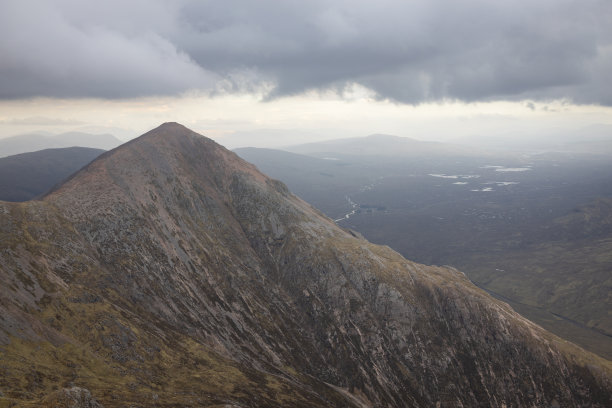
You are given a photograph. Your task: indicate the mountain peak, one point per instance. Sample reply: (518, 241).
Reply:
(171, 130)
(169, 152)
(173, 126)
(167, 133)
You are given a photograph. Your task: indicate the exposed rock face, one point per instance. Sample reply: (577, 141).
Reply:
(169, 272)
(74, 397)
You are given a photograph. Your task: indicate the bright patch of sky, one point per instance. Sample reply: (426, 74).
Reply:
(245, 120)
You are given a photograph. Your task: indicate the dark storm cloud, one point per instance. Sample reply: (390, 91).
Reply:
(407, 51)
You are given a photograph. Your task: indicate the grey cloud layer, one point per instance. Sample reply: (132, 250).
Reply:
(407, 51)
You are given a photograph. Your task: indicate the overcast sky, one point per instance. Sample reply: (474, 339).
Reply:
(190, 60)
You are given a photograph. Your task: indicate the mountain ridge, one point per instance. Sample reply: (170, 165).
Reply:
(169, 271)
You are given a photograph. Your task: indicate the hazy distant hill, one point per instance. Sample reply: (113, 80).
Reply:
(27, 175)
(32, 142)
(383, 145)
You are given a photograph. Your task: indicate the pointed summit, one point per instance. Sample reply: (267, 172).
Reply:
(154, 164)
(158, 146)
(169, 134)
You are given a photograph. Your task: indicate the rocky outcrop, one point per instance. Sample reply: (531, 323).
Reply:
(169, 272)
(74, 397)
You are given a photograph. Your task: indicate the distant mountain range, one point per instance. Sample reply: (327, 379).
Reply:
(28, 175)
(32, 142)
(169, 272)
(383, 145)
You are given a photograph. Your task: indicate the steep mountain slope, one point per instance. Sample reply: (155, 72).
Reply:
(28, 175)
(169, 272)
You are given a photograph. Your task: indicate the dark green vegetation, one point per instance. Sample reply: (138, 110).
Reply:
(28, 175)
(171, 273)
(540, 239)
